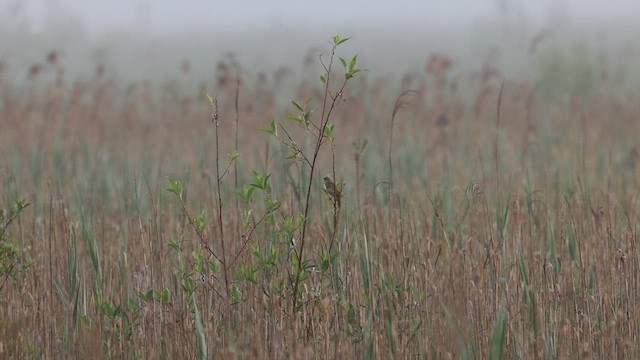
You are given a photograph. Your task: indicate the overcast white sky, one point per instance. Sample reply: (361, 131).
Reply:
(207, 15)
(392, 35)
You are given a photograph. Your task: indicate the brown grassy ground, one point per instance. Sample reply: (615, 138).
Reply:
(544, 231)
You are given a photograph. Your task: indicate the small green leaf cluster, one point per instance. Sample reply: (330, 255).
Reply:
(350, 69)
(304, 114)
(176, 187)
(12, 263)
(123, 321)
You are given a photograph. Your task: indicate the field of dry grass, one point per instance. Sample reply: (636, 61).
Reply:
(484, 218)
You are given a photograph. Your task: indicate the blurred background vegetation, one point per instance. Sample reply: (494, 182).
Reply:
(511, 226)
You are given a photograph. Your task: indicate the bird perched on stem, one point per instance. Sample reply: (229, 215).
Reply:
(334, 192)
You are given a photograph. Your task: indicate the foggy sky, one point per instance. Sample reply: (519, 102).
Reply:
(150, 39)
(207, 15)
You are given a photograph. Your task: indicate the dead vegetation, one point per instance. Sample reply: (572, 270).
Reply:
(532, 257)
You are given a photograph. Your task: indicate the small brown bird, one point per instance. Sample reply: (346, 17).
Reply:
(332, 190)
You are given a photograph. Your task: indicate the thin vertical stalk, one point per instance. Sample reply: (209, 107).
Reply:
(214, 118)
(400, 102)
(497, 161)
(327, 109)
(235, 163)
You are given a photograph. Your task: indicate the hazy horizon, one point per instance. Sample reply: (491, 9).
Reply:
(202, 15)
(141, 40)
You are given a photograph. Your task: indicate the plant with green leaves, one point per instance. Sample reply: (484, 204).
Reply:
(12, 263)
(281, 265)
(320, 131)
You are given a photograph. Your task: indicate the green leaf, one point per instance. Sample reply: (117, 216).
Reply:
(246, 193)
(247, 222)
(189, 285)
(324, 78)
(304, 115)
(496, 343)
(351, 315)
(202, 343)
(272, 203)
(60, 289)
(200, 222)
(523, 269)
(233, 155)
(271, 129)
(297, 106)
(288, 224)
(146, 296)
(328, 131)
(261, 181)
(573, 247)
(325, 265)
(296, 118)
(344, 63)
(352, 64)
(212, 101)
(592, 278)
(18, 206)
(175, 245)
(164, 297)
(213, 267)
(176, 187)
(236, 296)
(337, 40)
